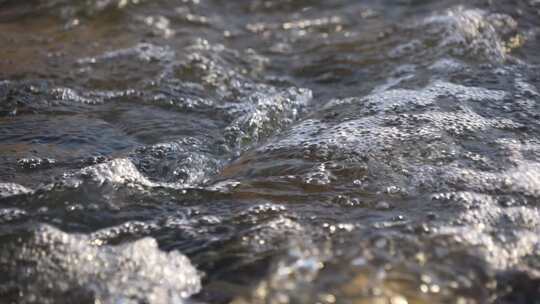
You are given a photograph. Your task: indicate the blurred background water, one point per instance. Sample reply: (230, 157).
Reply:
(269, 151)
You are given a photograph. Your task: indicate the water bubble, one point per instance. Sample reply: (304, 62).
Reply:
(382, 205)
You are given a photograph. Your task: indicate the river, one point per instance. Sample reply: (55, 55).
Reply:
(270, 151)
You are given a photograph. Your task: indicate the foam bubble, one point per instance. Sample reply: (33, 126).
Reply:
(54, 264)
(11, 189)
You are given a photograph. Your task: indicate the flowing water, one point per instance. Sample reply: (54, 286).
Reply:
(270, 151)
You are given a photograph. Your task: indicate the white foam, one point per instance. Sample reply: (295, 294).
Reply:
(12, 189)
(53, 263)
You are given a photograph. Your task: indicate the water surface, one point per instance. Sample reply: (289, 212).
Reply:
(277, 151)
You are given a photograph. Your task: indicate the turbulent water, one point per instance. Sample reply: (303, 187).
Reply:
(270, 151)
